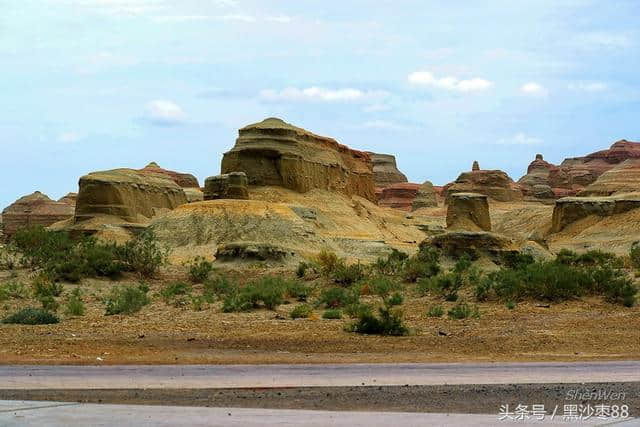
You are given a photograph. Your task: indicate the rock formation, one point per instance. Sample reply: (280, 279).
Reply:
(128, 194)
(493, 183)
(385, 170)
(276, 153)
(623, 178)
(426, 197)
(69, 199)
(226, 186)
(472, 243)
(184, 180)
(475, 166)
(34, 209)
(574, 174)
(468, 211)
(535, 184)
(399, 196)
(571, 209)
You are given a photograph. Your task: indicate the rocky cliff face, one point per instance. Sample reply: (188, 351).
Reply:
(623, 178)
(184, 180)
(426, 197)
(571, 209)
(574, 174)
(494, 183)
(128, 194)
(385, 170)
(34, 209)
(399, 196)
(276, 153)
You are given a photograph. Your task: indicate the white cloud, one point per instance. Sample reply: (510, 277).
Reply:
(163, 112)
(282, 19)
(237, 17)
(315, 93)
(69, 137)
(426, 78)
(588, 86)
(534, 89)
(520, 139)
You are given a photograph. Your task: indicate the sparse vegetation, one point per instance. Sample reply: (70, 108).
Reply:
(267, 291)
(347, 275)
(395, 299)
(388, 322)
(435, 311)
(634, 255)
(75, 305)
(462, 310)
(302, 311)
(144, 254)
(126, 299)
(199, 269)
(338, 297)
(332, 313)
(31, 316)
(12, 289)
(44, 287)
(175, 289)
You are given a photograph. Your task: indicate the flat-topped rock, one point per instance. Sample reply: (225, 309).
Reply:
(128, 194)
(494, 183)
(385, 170)
(36, 209)
(426, 197)
(276, 153)
(232, 185)
(468, 211)
(399, 196)
(571, 209)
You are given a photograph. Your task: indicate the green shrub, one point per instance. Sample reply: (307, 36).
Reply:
(174, 289)
(395, 299)
(428, 254)
(302, 311)
(388, 322)
(49, 303)
(435, 311)
(463, 310)
(416, 268)
(327, 261)
(144, 254)
(198, 301)
(347, 275)
(357, 309)
(516, 260)
(383, 286)
(301, 270)
(43, 286)
(462, 264)
(12, 289)
(634, 255)
(75, 305)
(268, 291)
(126, 300)
(332, 313)
(296, 289)
(39, 246)
(219, 286)
(510, 305)
(446, 285)
(392, 264)
(483, 288)
(31, 316)
(199, 269)
(338, 297)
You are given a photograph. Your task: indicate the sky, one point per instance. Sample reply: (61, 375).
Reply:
(90, 85)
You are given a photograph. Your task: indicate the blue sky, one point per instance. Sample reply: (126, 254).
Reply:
(98, 84)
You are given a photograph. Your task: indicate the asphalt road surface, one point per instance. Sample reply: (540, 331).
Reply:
(257, 376)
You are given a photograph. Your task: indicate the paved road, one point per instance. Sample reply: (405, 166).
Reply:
(19, 413)
(241, 376)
